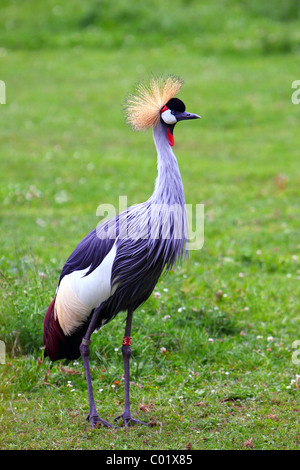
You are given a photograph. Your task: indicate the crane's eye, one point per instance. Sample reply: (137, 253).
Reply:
(168, 117)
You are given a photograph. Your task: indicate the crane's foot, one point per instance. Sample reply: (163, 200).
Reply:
(95, 420)
(128, 419)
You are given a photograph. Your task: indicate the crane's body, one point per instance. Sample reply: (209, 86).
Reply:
(117, 265)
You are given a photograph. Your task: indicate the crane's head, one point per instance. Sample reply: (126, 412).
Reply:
(173, 112)
(154, 103)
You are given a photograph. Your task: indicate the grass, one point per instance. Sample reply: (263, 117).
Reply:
(229, 316)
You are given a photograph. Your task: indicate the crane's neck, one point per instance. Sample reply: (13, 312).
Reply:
(168, 185)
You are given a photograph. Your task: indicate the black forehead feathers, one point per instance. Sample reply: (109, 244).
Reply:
(176, 105)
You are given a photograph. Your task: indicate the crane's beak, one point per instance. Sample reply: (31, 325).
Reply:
(183, 116)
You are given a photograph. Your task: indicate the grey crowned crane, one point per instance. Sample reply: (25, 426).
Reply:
(116, 266)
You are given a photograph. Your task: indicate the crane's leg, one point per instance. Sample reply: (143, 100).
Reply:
(85, 354)
(126, 352)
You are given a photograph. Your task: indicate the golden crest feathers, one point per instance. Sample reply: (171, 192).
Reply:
(143, 108)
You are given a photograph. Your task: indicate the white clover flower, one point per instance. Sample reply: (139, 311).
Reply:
(166, 317)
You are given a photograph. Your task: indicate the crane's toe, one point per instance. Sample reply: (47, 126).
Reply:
(95, 420)
(128, 419)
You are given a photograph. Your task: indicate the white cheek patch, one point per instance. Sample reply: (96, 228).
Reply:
(168, 117)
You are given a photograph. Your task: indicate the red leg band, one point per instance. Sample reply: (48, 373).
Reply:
(126, 341)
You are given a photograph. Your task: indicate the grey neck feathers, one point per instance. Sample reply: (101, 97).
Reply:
(168, 185)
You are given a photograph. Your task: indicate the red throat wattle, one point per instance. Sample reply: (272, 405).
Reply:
(170, 137)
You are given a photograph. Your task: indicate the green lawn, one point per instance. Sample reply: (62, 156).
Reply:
(227, 317)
